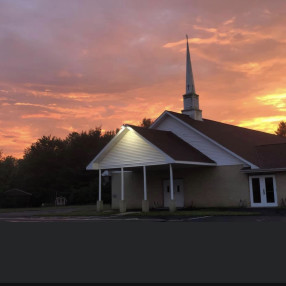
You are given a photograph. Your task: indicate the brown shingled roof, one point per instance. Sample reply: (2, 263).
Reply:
(172, 145)
(242, 141)
(272, 155)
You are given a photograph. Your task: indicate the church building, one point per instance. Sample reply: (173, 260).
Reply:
(184, 160)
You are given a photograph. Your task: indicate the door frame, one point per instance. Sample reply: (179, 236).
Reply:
(263, 203)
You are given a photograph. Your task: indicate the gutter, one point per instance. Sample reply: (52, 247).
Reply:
(255, 171)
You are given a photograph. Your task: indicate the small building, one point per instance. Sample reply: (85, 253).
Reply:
(16, 198)
(60, 201)
(185, 160)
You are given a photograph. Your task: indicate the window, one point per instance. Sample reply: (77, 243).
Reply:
(256, 190)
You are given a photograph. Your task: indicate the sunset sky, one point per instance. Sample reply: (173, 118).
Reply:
(72, 65)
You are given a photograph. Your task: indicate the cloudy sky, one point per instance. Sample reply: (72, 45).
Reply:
(72, 65)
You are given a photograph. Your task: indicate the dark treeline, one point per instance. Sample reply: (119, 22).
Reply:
(57, 167)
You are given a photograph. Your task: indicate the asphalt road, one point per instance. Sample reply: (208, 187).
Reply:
(15, 218)
(266, 215)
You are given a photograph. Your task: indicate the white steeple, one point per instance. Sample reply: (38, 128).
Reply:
(191, 99)
(190, 85)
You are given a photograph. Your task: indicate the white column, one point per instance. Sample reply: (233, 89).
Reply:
(145, 183)
(122, 184)
(171, 183)
(99, 184)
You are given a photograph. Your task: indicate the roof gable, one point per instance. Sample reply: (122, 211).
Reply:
(239, 140)
(128, 151)
(198, 140)
(137, 146)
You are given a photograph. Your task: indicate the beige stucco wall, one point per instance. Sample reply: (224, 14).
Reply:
(133, 188)
(281, 188)
(203, 187)
(223, 186)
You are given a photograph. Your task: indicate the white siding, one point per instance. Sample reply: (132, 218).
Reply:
(130, 151)
(214, 152)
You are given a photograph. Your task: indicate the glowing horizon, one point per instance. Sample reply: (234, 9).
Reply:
(74, 65)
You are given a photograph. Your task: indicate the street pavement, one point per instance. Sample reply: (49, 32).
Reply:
(266, 215)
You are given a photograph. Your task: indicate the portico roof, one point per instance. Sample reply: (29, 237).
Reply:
(172, 145)
(137, 146)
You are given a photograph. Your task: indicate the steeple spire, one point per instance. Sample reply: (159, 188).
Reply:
(190, 85)
(191, 99)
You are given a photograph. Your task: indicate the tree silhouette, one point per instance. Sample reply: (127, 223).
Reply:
(57, 167)
(146, 122)
(281, 130)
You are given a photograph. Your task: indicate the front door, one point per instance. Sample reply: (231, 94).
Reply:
(263, 191)
(178, 193)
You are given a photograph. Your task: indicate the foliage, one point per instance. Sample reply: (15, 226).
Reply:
(281, 130)
(52, 167)
(146, 122)
(57, 167)
(8, 170)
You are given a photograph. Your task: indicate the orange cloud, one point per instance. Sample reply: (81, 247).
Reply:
(276, 100)
(112, 64)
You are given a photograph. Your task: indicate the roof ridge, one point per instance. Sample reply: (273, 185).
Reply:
(240, 127)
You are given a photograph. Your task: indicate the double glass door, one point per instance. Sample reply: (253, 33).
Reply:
(263, 191)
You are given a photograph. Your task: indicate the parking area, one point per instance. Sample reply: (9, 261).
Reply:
(87, 214)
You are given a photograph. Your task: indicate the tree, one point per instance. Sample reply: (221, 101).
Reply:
(8, 172)
(57, 167)
(281, 130)
(146, 122)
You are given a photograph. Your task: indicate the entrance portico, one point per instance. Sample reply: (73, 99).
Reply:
(153, 191)
(147, 150)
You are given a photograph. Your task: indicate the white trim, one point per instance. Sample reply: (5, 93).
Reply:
(135, 165)
(195, 163)
(263, 195)
(161, 164)
(122, 184)
(171, 183)
(119, 172)
(158, 119)
(264, 170)
(211, 140)
(145, 183)
(99, 184)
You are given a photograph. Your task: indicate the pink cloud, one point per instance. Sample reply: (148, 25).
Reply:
(74, 65)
